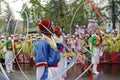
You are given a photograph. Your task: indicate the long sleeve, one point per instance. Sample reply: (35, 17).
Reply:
(45, 54)
(53, 56)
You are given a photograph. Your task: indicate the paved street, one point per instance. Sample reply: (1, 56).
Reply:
(107, 72)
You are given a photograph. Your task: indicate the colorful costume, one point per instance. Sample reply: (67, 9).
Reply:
(45, 54)
(91, 26)
(63, 61)
(95, 41)
(9, 56)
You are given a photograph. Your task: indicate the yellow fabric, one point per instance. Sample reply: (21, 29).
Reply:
(24, 47)
(51, 41)
(1, 50)
(106, 42)
(17, 47)
(119, 45)
(114, 46)
(111, 36)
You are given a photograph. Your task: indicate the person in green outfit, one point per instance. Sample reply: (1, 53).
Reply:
(9, 55)
(95, 41)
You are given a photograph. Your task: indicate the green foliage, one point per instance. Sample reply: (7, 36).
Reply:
(2, 22)
(10, 19)
(61, 13)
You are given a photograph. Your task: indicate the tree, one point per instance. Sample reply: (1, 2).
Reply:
(10, 19)
(113, 9)
(60, 12)
(24, 16)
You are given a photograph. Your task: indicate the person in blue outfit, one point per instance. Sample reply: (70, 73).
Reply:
(46, 53)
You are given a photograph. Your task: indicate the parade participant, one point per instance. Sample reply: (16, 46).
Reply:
(91, 26)
(116, 34)
(9, 55)
(17, 45)
(63, 61)
(114, 46)
(109, 27)
(29, 47)
(77, 29)
(82, 35)
(118, 38)
(24, 45)
(95, 41)
(46, 53)
(77, 46)
(68, 43)
(29, 44)
(106, 43)
(72, 43)
(2, 51)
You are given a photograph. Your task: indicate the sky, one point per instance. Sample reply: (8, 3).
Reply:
(16, 6)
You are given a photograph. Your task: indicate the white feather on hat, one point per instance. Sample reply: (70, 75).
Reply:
(68, 34)
(2, 36)
(87, 35)
(115, 30)
(106, 35)
(16, 34)
(114, 38)
(2, 39)
(9, 38)
(107, 30)
(33, 39)
(76, 33)
(20, 35)
(82, 32)
(102, 32)
(65, 36)
(12, 35)
(76, 26)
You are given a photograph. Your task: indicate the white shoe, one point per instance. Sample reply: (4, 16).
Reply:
(96, 73)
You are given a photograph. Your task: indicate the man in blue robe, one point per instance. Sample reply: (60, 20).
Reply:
(46, 53)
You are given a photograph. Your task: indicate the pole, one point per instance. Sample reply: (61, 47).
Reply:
(113, 14)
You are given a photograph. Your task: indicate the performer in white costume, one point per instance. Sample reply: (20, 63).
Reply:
(95, 41)
(63, 61)
(9, 56)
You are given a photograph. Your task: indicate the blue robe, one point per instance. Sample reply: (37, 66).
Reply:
(45, 56)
